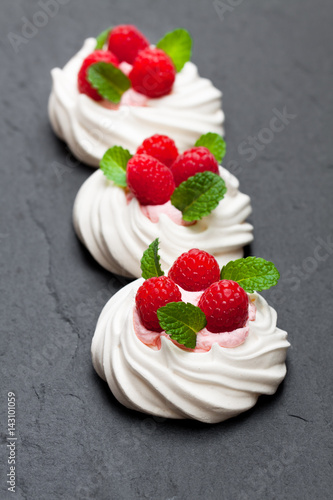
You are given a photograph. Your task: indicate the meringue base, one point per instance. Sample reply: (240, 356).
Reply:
(170, 382)
(117, 232)
(89, 128)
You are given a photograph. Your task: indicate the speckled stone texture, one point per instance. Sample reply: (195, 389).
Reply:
(74, 440)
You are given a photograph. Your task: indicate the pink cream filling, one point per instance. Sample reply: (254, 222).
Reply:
(153, 212)
(129, 98)
(205, 339)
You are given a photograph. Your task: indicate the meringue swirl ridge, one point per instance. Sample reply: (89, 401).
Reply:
(116, 232)
(170, 382)
(89, 128)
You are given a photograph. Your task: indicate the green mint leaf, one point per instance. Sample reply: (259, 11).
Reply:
(252, 273)
(108, 80)
(114, 163)
(150, 262)
(182, 321)
(101, 39)
(215, 143)
(178, 45)
(199, 195)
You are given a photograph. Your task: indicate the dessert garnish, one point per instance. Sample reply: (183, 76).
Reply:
(99, 56)
(107, 80)
(222, 306)
(193, 161)
(124, 59)
(149, 180)
(133, 199)
(153, 73)
(126, 41)
(155, 342)
(156, 174)
(195, 270)
(161, 147)
(153, 294)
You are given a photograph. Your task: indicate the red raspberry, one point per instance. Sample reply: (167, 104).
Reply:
(225, 305)
(126, 41)
(153, 73)
(160, 147)
(195, 270)
(153, 294)
(193, 161)
(150, 181)
(84, 85)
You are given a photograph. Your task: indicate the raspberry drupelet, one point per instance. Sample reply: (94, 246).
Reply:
(153, 294)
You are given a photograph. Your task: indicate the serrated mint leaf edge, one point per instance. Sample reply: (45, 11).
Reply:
(154, 247)
(272, 276)
(112, 92)
(192, 333)
(107, 168)
(191, 218)
(178, 65)
(221, 150)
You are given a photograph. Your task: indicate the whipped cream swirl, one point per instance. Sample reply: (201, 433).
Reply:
(89, 128)
(171, 382)
(116, 231)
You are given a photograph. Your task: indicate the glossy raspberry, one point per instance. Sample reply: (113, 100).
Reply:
(193, 161)
(150, 181)
(225, 305)
(153, 294)
(84, 86)
(195, 270)
(126, 41)
(153, 73)
(160, 147)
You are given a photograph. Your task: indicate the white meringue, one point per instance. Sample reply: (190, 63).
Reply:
(192, 109)
(116, 232)
(174, 383)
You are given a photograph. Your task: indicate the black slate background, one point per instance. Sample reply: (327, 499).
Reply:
(74, 440)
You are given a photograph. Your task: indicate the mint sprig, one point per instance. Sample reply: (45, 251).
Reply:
(150, 262)
(114, 163)
(251, 273)
(178, 45)
(108, 80)
(101, 39)
(199, 195)
(215, 143)
(182, 321)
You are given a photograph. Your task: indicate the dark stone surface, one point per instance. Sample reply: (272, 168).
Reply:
(74, 439)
